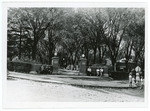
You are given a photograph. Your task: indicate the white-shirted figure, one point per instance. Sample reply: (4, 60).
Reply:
(138, 70)
(42, 68)
(89, 70)
(101, 72)
(142, 83)
(137, 79)
(130, 79)
(97, 71)
(133, 82)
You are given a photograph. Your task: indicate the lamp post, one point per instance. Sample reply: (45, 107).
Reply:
(55, 54)
(83, 55)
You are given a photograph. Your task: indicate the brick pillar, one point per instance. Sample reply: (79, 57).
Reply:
(55, 64)
(82, 66)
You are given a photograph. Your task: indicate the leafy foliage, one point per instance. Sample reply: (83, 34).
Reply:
(99, 33)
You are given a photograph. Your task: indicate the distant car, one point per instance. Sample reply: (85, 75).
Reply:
(46, 69)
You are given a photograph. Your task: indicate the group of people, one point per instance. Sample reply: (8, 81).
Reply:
(136, 78)
(99, 71)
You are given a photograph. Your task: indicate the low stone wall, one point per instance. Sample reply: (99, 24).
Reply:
(36, 67)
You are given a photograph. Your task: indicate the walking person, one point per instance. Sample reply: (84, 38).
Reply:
(133, 73)
(97, 71)
(133, 81)
(101, 72)
(130, 79)
(89, 71)
(142, 82)
(137, 79)
(138, 70)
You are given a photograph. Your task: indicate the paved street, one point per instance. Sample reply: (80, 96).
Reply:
(86, 81)
(19, 90)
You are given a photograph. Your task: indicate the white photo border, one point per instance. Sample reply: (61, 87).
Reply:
(6, 104)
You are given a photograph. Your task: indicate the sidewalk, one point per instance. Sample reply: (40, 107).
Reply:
(74, 80)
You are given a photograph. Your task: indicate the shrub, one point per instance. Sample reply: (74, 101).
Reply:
(10, 66)
(26, 67)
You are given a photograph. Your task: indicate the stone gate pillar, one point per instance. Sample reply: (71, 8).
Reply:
(82, 66)
(55, 64)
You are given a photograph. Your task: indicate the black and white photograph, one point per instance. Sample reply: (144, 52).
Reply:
(74, 54)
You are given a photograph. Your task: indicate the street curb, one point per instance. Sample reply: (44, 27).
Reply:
(90, 86)
(77, 85)
(35, 80)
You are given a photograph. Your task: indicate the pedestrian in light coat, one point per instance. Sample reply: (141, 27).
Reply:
(133, 81)
(130, 79)
(142, 82)
(101, 72)
(97, 71)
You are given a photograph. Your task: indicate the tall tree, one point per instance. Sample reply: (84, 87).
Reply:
(93, 30)
(16, 29)
(72, 38)
(134, 38)
(117, 22)
(36, 20)
(56, 18)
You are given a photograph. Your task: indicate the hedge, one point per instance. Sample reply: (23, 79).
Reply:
(119, 75)
(19, 66)
(36, 67)
(26, 67)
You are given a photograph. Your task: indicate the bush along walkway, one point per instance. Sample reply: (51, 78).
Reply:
(74, 80)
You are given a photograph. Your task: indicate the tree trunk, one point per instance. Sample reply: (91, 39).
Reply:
(20, 43)
(41, 59)
(114, 64)
(51, 45)
(34, 51)
(94, 61)
(34, 48)
(87, 56)
(75, 59)
(100, 55)
(50, 54)
(50, 57)
(127, 65)
(29, 56)
(136, 60)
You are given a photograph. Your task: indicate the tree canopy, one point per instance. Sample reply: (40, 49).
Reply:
(99, 33)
